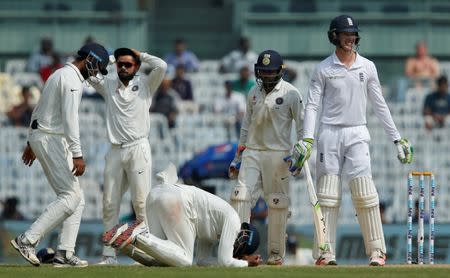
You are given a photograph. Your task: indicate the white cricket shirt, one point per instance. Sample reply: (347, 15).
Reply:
(268, 119)
(344, 92)
(215, 220)
(57, 108)
(127, 107)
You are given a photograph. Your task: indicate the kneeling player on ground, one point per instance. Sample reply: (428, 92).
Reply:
(179, 214)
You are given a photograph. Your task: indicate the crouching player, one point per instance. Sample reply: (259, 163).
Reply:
(179, 214)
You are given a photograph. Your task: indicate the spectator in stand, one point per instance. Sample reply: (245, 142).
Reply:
(232, 104)
(10, 211)
(165, 102)
(181, 85)
(181, 55)
(244, 83)
(238, 58)
(420, 71)
(437, 105)
(20, 115)
(46, 71)
(42, 58)
(422, 68)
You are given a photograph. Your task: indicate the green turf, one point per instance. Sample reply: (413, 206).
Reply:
(216, 272)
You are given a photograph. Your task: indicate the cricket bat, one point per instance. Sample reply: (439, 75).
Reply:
(319, 222)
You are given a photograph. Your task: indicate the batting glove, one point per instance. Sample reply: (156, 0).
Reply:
(235, 165)
(405, 151)
(300, 153)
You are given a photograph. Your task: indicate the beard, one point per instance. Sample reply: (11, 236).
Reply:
(84, 72)
(125, 77)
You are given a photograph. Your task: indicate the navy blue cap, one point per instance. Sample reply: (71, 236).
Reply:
(123, 51)
(344, 23)
(99, 52)
(269, 60)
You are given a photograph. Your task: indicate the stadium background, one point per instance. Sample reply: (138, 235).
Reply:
(211, 28)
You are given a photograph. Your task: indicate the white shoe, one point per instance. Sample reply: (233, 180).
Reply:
(326, 258)
(108, 260)
(26, 250)
(378, 258)
(129, 235)
(275, 259)
(61, 260)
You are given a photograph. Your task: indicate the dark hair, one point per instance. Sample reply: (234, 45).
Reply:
(180, 66)
(123, 51)
(442, 79)
(179, 40)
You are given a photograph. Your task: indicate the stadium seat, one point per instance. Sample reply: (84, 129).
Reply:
(15, 66)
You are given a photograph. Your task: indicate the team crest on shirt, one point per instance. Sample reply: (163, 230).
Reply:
(279, 100)
(254, 100)
(361, 77)
(135, 88)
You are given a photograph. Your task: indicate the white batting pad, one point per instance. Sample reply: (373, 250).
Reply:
(329, 194)
(240, 200)
(367, 206)
(278, 215)
(140, 256)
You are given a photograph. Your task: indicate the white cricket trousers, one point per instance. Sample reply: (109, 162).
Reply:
(52, 152)
(127, 166)
(264, 172)
(343, 150)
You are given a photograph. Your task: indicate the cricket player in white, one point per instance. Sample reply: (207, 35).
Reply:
(128, 98)
(177, 216)
(54, 140)
(265, 141)
(343, 82)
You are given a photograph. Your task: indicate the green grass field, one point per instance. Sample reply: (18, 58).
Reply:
(216, 272)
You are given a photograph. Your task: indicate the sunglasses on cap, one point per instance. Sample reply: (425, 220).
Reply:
(125, 64)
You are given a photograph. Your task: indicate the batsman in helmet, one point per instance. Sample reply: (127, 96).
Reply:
(343, 83)
(265, 140)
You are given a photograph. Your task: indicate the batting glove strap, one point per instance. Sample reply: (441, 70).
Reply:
(405, 151)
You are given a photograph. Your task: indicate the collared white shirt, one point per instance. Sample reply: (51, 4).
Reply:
(127, 107)
(57, 108)
(267, 122)
(344, 92)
